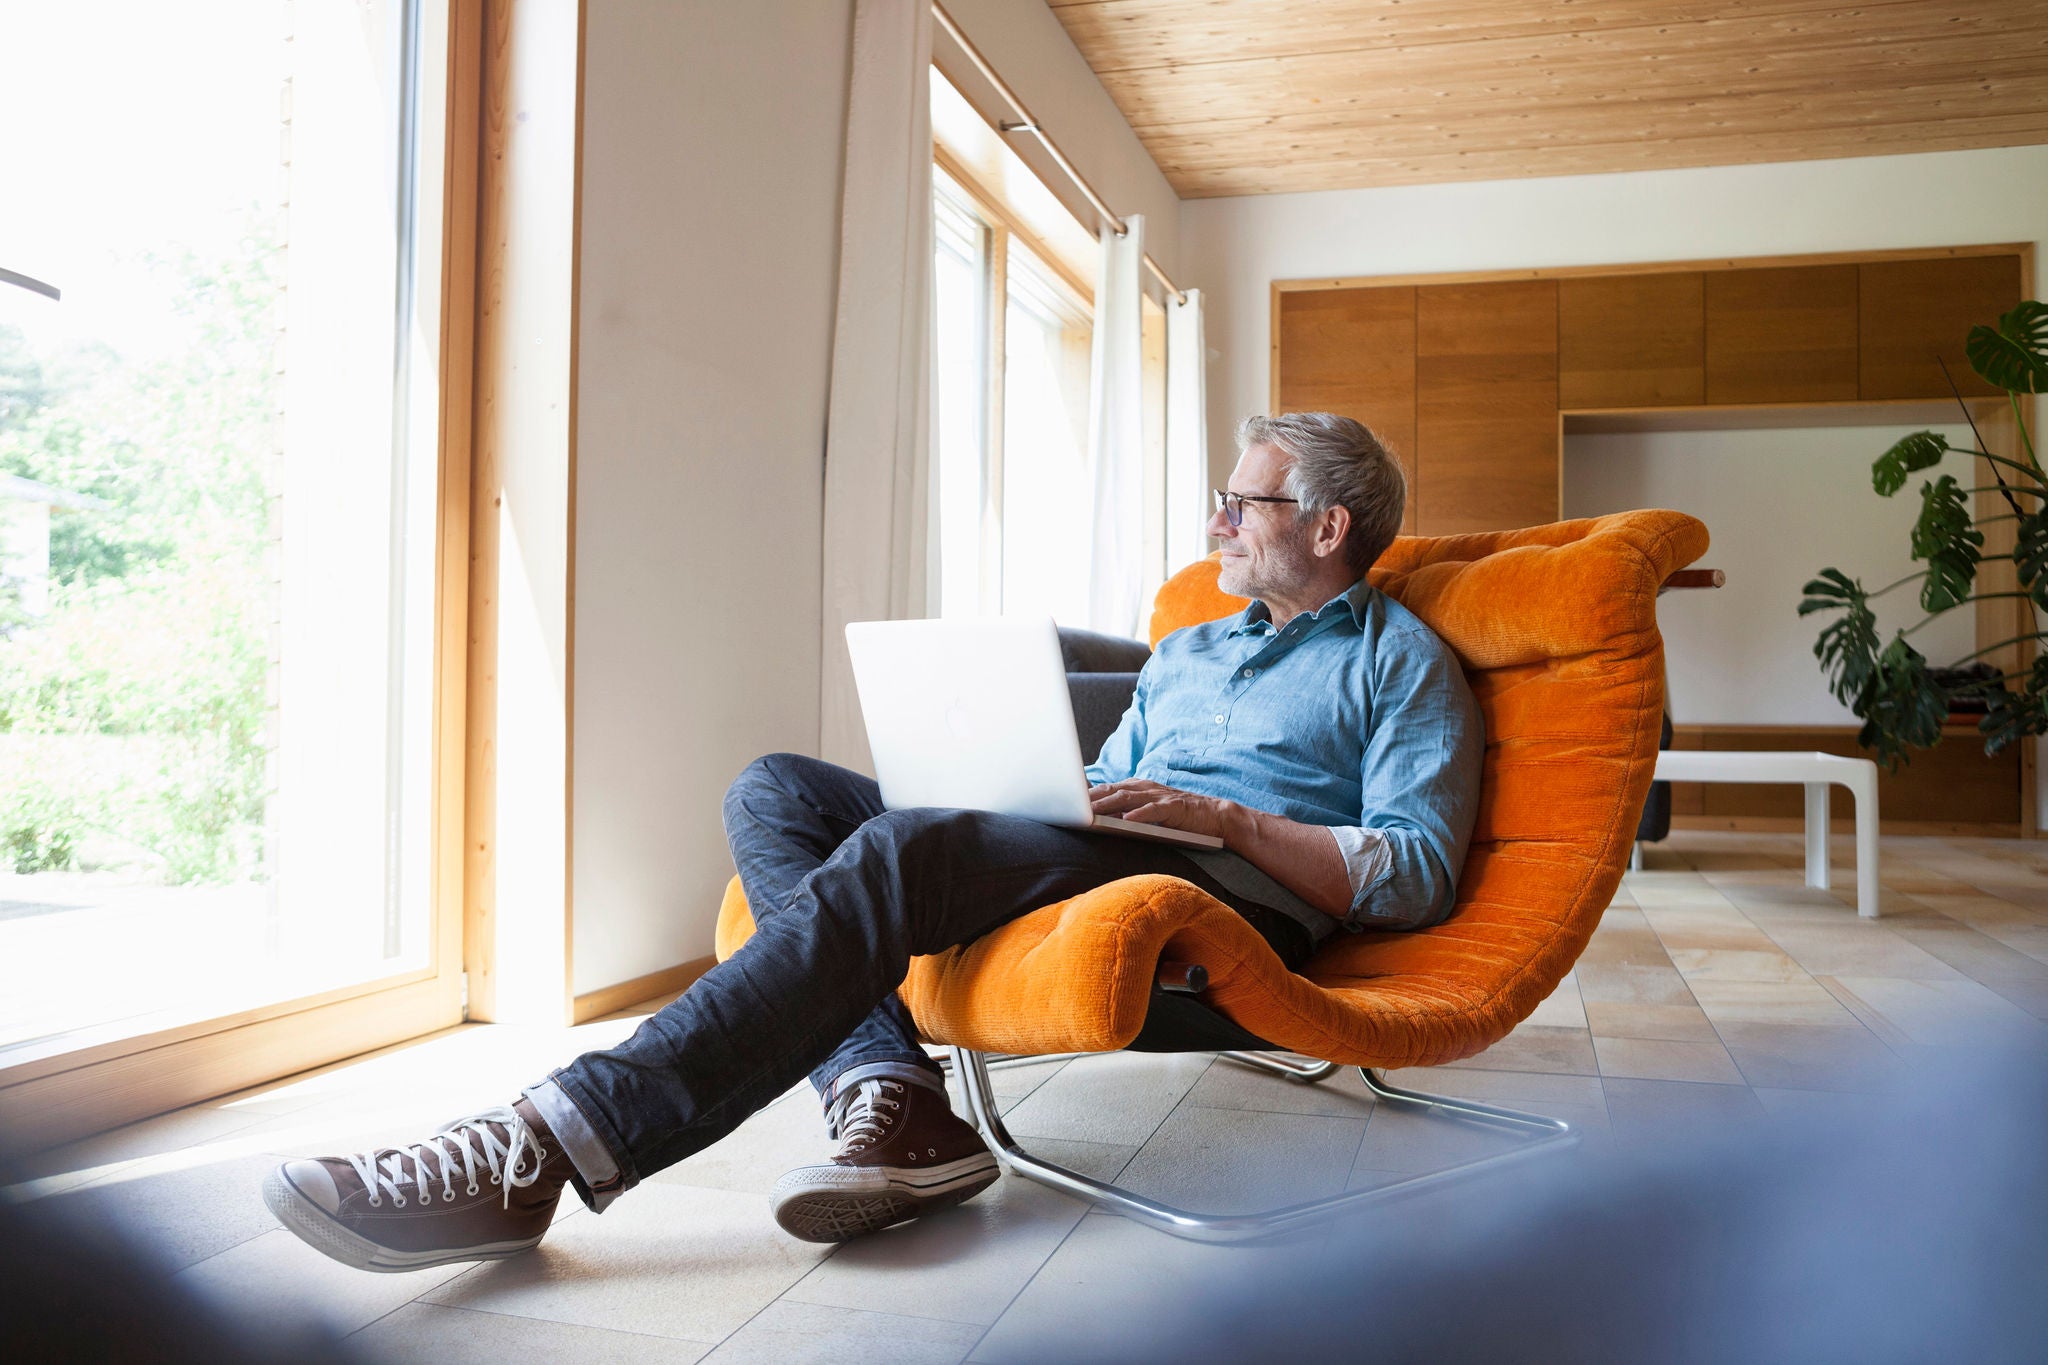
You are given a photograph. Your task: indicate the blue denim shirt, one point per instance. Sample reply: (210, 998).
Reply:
(1354, 716)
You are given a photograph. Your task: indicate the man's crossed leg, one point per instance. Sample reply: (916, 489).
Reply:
(844, 894)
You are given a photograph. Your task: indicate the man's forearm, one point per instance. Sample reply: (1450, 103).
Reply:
(1303, 858)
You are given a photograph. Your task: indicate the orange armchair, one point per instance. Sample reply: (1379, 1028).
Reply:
(1556, 628)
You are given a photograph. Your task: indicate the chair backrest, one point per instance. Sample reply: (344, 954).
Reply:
(1556, 627)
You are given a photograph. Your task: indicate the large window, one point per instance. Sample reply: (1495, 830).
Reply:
(218, 506)
(1012, 355)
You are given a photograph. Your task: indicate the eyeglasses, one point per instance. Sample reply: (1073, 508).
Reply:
(1231, 505)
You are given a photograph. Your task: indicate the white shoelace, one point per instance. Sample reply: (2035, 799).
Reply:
(860, 1121)
(448, 1145)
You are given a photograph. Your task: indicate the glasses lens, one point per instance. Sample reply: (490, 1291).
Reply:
(1231, 505)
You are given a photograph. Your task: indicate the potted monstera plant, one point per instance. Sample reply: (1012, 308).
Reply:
(1900, 699)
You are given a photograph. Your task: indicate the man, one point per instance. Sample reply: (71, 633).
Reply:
(1324, 734)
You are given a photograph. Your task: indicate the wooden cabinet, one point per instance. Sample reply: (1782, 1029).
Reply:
(1785, 335)
(1467, 380)
(1631, 341)
(1915, 315)
(1486, 433)
(1352, 352)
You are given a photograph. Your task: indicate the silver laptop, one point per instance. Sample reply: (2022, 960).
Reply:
(975, 714)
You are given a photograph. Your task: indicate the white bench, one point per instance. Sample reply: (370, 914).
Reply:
(1815, 772)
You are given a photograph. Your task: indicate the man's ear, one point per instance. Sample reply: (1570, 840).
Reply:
(1331, 532)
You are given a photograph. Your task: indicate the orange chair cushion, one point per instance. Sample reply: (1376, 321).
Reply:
(1556, 627)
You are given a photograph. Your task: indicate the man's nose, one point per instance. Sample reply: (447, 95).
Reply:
(1219, 525)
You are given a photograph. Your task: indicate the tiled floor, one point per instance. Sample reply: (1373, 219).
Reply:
(1717, 990)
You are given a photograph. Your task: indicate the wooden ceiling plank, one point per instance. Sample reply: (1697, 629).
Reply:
(1305, 174)
(1119, 35)
(1354, 78)
(1255, 96)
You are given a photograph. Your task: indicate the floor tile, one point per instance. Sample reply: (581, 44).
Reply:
(1116, 1291)
(1968, 951)
(276, 1283)
(1117, 1099)
(967, 1263)
(1623, 948)
(1244, 1161)
(1804, 1001)
(1513, 1089)
(80, 1163)
(1234, 1085)
(1562, 1008)
(2030, 993)
(1724, 929)
(1661, 1059)
(462, 1336)
(1955, 1012)
(1659, 1113)
(788, 1133)
(1685, 1023)
(667, 1260)
(1862, 949)
(1409, 1140)
(1807, 1057)
(175, 1214)
(1529, 1048)
(1659, 985)
(1725, 964)
(788, 1333)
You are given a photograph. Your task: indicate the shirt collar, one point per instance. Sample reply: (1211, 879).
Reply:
(1258, 615)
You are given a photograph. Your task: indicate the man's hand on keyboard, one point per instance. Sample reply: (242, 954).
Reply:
(1153, 803)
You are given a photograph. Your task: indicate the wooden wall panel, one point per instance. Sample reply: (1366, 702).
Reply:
(1630, 341)
(1486, 429)
(1352, 351)
(1915, 311)
(1954, 783)
(1782, 336)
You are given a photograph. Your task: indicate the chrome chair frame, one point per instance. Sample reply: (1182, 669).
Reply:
(1547, 1134)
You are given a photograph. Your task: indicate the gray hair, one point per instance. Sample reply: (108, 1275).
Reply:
(1337, 462)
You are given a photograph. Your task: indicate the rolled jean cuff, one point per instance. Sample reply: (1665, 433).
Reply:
(598, 1178)
(923, 1071)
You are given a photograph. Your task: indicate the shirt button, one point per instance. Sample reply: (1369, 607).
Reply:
(1249, 671)
(1219, 720)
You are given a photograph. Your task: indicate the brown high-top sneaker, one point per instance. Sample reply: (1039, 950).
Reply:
(902, 1153)
(482, 1189)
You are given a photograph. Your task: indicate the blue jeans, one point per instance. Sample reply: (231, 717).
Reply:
(844, 894)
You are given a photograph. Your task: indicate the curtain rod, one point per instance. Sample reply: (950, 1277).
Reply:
(1025, 123)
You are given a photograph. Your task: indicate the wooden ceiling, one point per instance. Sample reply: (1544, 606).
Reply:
(1265, 96)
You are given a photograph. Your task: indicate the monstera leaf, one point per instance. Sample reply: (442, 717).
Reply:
(1900, 705)
(2015, 715)
(1847, 649)
(1948, 542)
(2014, 354)
(2030, 555)
(1921, 450)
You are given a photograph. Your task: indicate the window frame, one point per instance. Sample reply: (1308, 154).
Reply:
(1002, 226)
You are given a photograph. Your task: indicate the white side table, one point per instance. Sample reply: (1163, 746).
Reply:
(1815, 772)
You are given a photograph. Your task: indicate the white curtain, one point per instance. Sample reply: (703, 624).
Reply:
(878, 432)
(1116, 434)
(1187, 433)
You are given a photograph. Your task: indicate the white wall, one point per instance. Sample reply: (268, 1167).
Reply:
(1024, 41)
(1782, 505)
(1235, 248)
(712, 145)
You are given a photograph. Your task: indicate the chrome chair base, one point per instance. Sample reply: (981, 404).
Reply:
(1545, 1134)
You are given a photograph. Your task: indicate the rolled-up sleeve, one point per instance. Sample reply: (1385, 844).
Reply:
(1126, 744)
(1420, 776)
